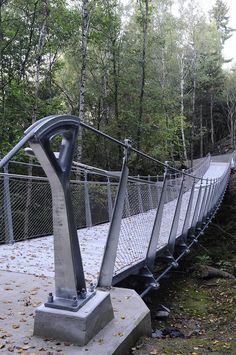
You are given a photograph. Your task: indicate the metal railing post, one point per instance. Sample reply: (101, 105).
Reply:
(156, 191)
(175, 222)
(140, 201)
(87, 202)
(186, 225)
(203, 204)
(152, 248)
(212, 196)
(170, 190)
(109, 256)
(216, 192)
(150, 193)
(196, 210)
(109, 198)
(70, 286)
(7, 208)
(206, 210)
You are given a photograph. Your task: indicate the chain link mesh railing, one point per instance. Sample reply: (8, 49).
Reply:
(26, 203)
(26, 206)
(136, 226)
(186, 202)
(147, 214)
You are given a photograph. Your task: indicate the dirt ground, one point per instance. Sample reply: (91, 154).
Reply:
(203, 311)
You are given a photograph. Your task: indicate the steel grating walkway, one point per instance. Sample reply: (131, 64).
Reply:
(36, 256)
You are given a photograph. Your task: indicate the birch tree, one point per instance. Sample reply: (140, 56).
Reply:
(144, 10)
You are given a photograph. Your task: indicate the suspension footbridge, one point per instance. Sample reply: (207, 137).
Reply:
(90, 227)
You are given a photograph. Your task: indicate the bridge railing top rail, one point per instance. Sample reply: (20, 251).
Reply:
(29, 134)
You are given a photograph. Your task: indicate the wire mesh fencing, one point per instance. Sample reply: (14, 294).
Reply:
(149, 215)
(26, 205)
(187, 201)
(137, 222)
(26, 202)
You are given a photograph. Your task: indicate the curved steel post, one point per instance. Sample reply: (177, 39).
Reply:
(69, 275)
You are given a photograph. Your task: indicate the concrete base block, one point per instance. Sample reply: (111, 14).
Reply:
(76, 327)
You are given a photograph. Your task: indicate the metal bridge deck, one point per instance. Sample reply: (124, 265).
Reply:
(36, 257)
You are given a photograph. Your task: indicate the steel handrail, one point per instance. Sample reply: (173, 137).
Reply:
(29, 133)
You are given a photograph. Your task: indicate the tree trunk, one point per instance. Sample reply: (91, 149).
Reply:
(193, 117)
(31, 35)
(201, 134)
(212, 121)
(2, 84)
(182, 105)
(104, 106)
(230, 99)
(39, 54)
(84, 48)
(231, 128)
(115, 80)
(143, 78)
(209, 272)
(234, 127)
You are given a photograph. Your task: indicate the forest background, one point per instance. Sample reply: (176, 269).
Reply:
(137, 70)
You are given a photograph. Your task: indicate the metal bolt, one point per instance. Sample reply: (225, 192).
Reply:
(91, 287)
(74, 301)
(155, 285)
(174, 264)
(50, 297)
(83, 294)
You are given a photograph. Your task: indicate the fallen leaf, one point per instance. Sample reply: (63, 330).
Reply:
(26, 347)
(119, 334)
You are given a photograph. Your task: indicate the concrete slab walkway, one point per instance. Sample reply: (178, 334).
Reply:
(20, 295)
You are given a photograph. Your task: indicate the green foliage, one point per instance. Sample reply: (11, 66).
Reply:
(203, 259)
(39, 81)
(225, 266)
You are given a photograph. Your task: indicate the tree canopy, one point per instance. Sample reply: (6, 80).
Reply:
(142, 71)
